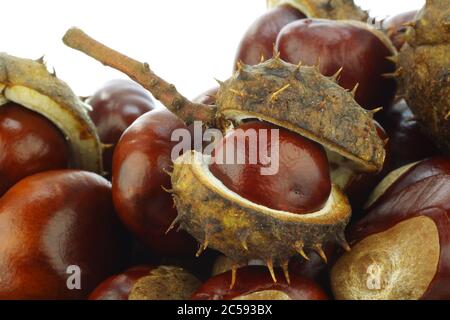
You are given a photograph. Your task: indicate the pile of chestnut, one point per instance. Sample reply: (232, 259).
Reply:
(67, 233)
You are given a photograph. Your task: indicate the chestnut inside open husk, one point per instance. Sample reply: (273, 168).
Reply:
(215, 215)
(30, 85)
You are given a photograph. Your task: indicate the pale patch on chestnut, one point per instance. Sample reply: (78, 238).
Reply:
(165, 283)
(398, 263)
(265, 295)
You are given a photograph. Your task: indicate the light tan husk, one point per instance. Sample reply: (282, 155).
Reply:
(29, 84)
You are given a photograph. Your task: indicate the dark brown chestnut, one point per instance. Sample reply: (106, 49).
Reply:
(141, 163)
(147, 283)
(29, 143)
(255, 283)
(396, 26)
(60, 236)
(407, 142)
(360, 50)
(401, 248)
(301, 183)
(114, 108)
(258, 42)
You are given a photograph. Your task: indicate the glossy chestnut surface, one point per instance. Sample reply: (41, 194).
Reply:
(260, 38)
(115, 106)
(141, 163)
(301, 183)
(252, 280)
(395, 27)
(420, 198)
(407, 142)
(427, 168)
(118, 287)
(52, 221)
(336, 44)
(29, 143)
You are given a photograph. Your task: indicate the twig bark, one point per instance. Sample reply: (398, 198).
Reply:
(141, 73)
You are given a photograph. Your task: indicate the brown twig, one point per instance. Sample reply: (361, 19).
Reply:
(142, 74)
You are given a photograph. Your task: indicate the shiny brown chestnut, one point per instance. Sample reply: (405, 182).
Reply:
(147, 283)
(300, 182)
(258, 41)
(255, 283)
(396, 26)
(401, 248)
(360, 50)
(114, 108)
(29, 143)
(141, 163)
(60, 236)
(407, 142)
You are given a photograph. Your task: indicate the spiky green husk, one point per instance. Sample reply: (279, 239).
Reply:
(325, 9)
(302, 100)
(424, 70)
(28, 83)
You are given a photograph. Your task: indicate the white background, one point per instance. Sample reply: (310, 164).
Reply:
(188, 42)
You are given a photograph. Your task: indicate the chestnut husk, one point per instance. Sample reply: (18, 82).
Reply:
(426, 85)
(29, 84)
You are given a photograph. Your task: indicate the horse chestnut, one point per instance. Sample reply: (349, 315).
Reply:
(55, 225)
(360, 50)
(147, 283)
(141, 163)
(401, 247)
(405, 131)
(301, 183)
(255, 283)
(114, 107)
(29, 143)
(258, 41)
